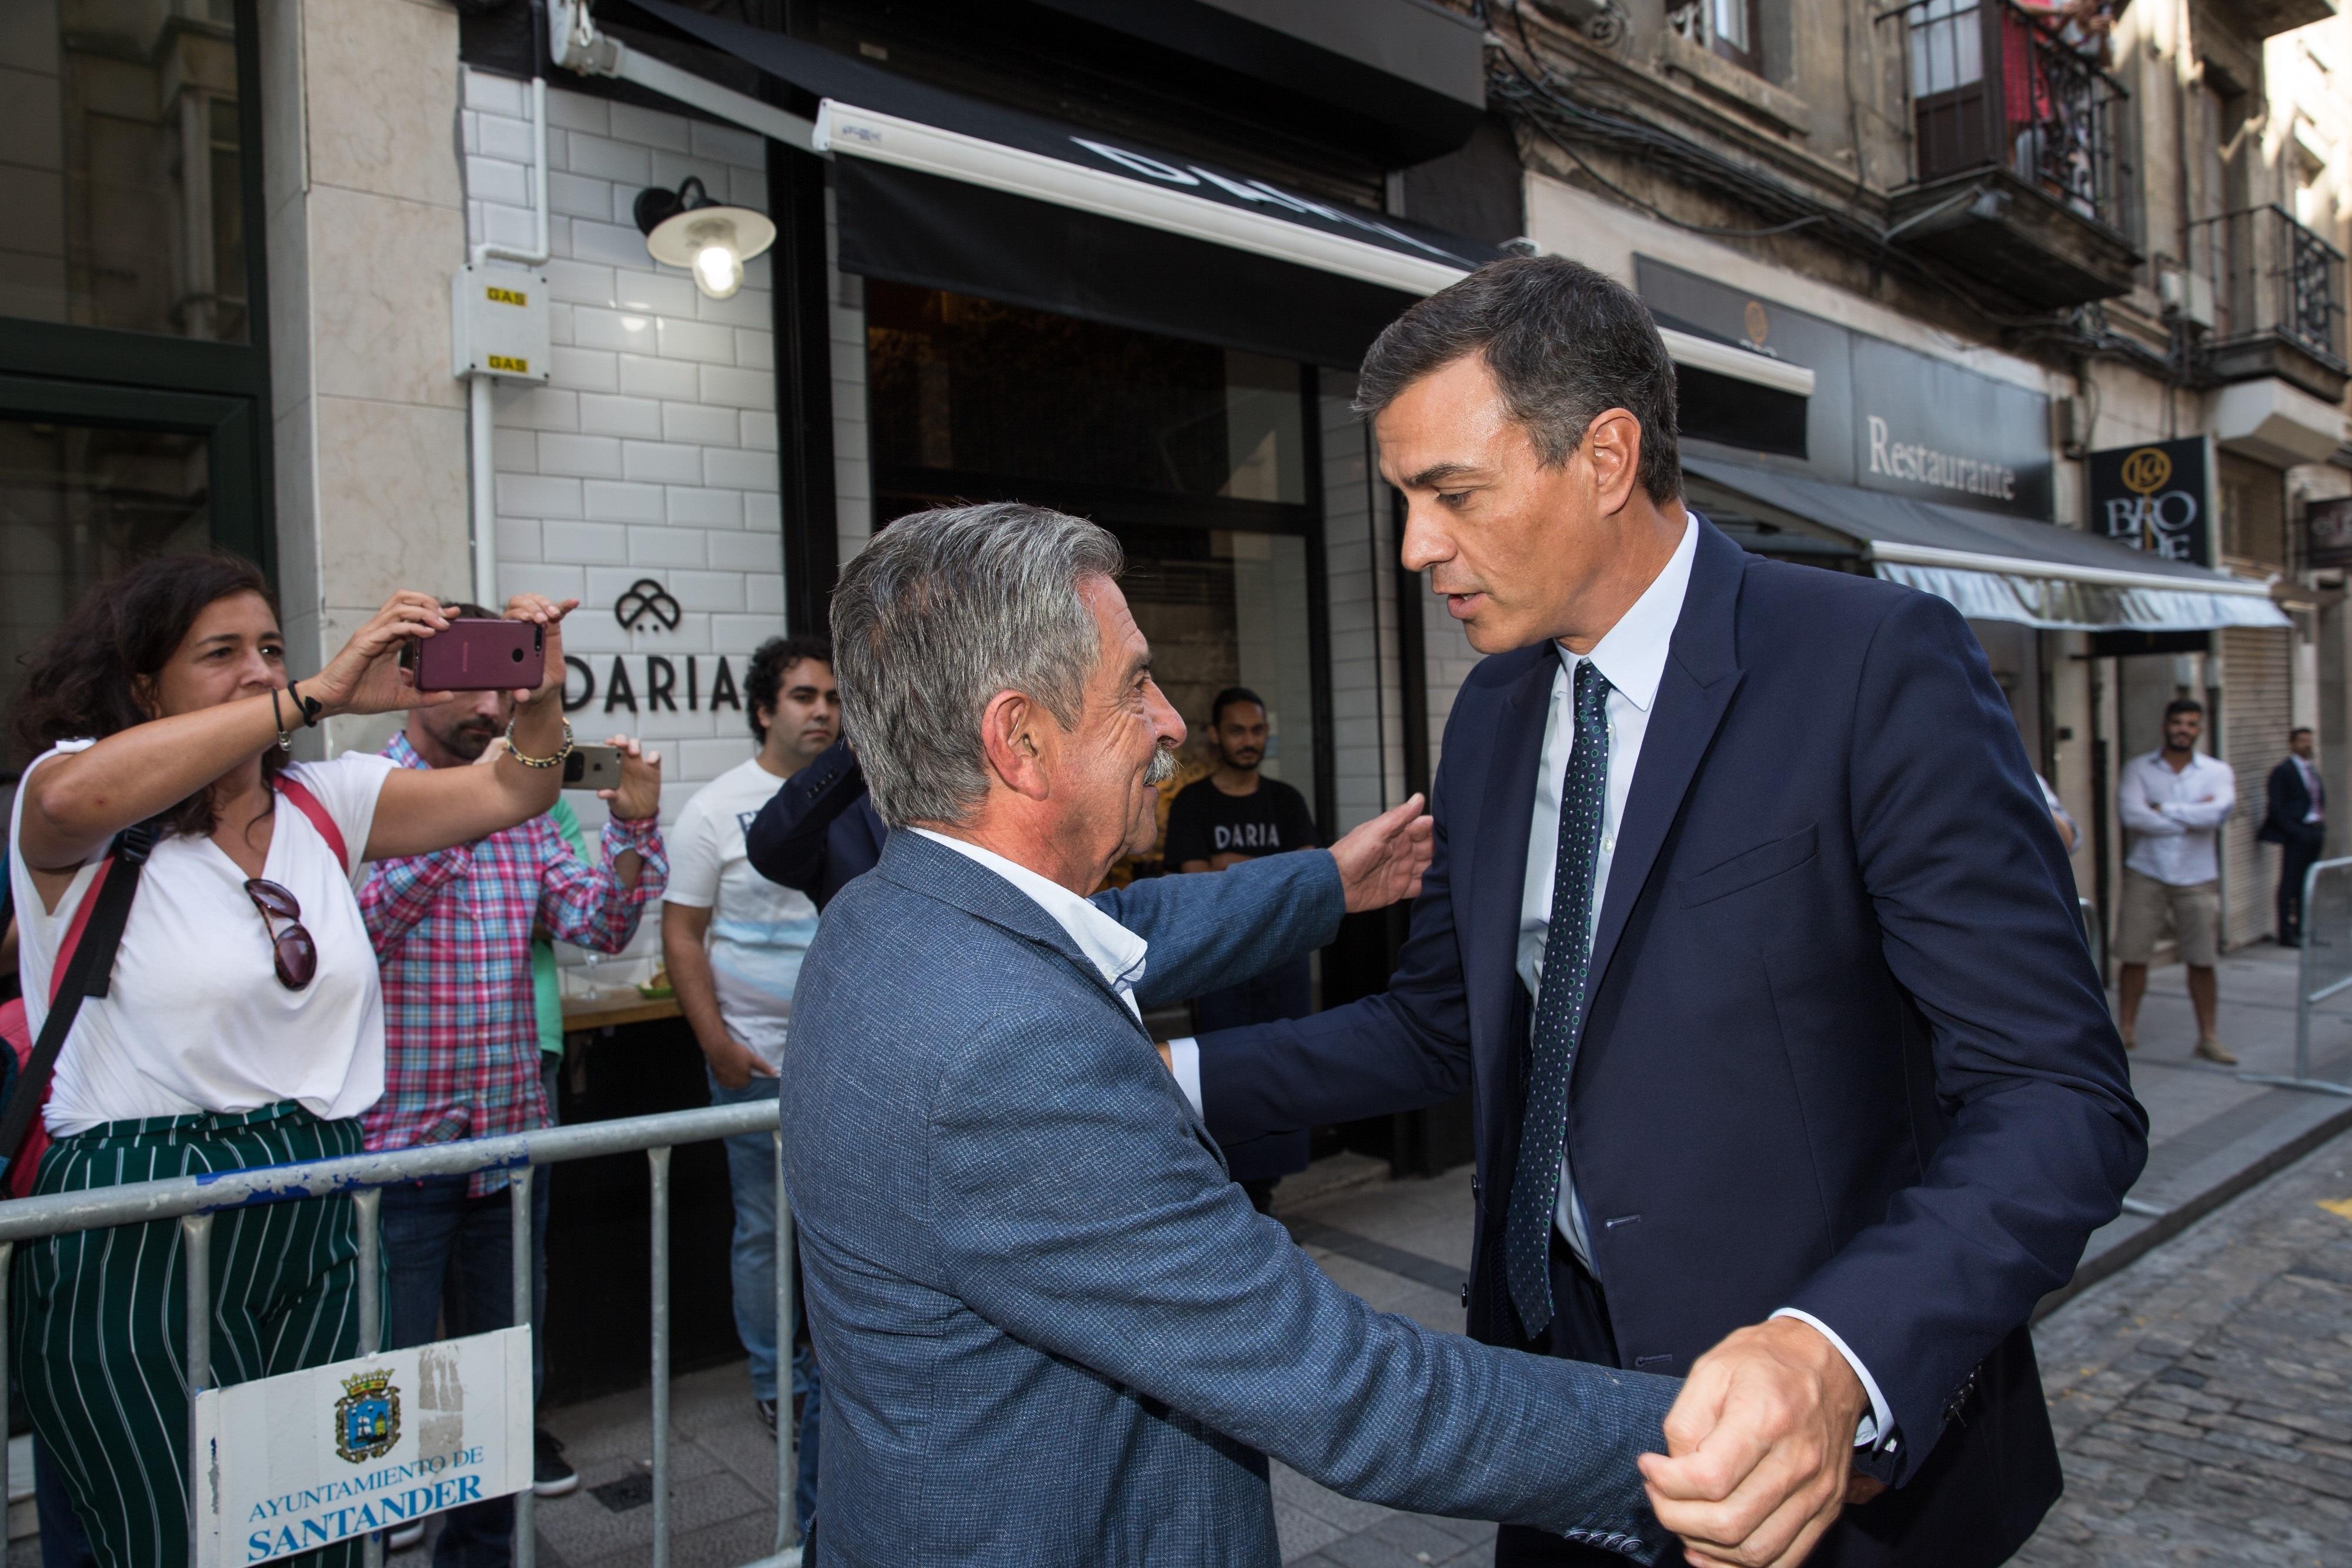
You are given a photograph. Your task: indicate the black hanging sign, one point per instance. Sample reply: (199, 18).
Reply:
(2331, 532)
(2158, 497)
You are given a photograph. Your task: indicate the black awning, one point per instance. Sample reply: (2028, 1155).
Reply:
(936, 189)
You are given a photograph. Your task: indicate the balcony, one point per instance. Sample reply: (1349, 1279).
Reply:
(2015, 173)
(2277, 293)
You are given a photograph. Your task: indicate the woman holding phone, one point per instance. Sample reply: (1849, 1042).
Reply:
(243, 1025)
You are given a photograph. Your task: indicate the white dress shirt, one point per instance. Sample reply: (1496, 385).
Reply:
(1111, 948)
(2318, 813)
(1632, 657)
(2173, 816)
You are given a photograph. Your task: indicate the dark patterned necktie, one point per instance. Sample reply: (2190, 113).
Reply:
(1559, 1007)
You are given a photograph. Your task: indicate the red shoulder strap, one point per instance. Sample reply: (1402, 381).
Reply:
(74, 928)
(308, 804)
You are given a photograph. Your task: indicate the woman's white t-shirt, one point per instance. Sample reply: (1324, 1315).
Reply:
(194, 1019)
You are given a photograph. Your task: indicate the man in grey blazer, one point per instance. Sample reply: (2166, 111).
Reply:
(1053, 1330)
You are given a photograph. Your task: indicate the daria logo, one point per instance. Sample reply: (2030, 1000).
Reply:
(367, 1417)
(646, 601)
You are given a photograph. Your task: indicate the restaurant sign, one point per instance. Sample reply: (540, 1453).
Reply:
(2156, 495)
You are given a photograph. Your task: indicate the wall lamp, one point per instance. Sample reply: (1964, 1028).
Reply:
(685, 228)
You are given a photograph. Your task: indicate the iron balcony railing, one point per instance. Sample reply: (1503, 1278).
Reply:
(1993, 87)
(193, 1201)
(2270, 277)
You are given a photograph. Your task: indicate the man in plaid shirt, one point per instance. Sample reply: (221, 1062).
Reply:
(453, 934)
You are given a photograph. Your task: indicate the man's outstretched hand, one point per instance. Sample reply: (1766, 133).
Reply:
(1382, 861)
(1760, 1447)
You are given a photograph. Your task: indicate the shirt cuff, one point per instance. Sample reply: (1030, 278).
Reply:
(1184, 1062)
(1879, 1419)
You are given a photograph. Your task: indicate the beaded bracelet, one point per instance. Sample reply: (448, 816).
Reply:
(516, 751)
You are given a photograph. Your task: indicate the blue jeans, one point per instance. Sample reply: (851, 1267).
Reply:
(450, 1256)
(751, 1172)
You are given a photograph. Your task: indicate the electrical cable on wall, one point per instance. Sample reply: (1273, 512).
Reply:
(1556, 102)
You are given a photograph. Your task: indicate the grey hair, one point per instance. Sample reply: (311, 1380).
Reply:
(1565, 344)
(939, 613)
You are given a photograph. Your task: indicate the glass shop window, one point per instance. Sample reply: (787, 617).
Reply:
(78, 503)
(121, 169)
(967, 386)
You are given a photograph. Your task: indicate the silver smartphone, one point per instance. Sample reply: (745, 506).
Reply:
(593, 768)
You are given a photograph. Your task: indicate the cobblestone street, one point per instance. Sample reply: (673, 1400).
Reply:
(2203, 1397)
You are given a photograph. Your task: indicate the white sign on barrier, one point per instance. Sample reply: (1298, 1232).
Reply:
(292, 1463)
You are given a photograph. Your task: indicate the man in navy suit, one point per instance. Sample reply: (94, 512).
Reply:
(2297, 821)
(820, 832)
(1752, 942)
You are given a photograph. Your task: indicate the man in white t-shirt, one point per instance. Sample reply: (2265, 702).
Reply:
(733, 942)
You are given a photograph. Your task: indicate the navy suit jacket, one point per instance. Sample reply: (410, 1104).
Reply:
(2289, 804)
(1845, 1052)
(1054, 1332)
(820, 830)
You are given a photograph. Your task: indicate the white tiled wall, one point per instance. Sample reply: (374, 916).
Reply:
(1449, 659)
(852, 473)
(1360, 551)
(1359, 540)
(652, 451)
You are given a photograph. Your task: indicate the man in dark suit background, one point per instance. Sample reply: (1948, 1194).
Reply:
(2296, 823)
(820, 832)
(1753, 945)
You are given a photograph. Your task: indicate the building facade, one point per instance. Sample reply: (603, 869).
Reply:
(2061, 279)
(1933, 274)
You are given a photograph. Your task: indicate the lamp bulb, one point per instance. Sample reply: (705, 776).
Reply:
(717, 270)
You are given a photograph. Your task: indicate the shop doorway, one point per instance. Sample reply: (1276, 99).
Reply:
(1197, 458)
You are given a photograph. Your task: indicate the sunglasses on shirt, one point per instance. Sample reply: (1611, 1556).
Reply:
(294, 953)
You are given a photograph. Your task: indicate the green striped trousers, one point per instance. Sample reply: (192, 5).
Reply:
(102, 1315)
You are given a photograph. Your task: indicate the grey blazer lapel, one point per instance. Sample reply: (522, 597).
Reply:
(933, 870)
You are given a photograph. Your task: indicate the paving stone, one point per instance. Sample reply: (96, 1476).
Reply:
(2222, 1437)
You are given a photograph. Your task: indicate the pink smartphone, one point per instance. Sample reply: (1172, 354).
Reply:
(478, 656)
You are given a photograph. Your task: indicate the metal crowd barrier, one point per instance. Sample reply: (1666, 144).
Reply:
(194, 1199)
(2094, 937)
(2323, 967)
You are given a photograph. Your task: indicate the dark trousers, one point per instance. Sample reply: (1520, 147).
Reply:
(451, 1259)
(63, 1544)
(1285, 991)
(1580, 1330)
(2295, 857)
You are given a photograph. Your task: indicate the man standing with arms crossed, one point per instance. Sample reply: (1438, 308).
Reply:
(2174, 800)
(733, 943)
(1236, 814)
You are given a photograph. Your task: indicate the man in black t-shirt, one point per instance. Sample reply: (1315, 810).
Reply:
(1232, 815)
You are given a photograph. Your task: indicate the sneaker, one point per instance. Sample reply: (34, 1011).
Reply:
(2213, 1050)
(551, 1474)
(767, 1409)
(406, 1536)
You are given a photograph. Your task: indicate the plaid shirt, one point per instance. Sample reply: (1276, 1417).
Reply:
(451, 932)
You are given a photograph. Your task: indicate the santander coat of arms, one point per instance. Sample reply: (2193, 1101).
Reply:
(367, 1417)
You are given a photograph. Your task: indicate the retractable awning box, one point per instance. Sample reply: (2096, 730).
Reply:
(1992, 567)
